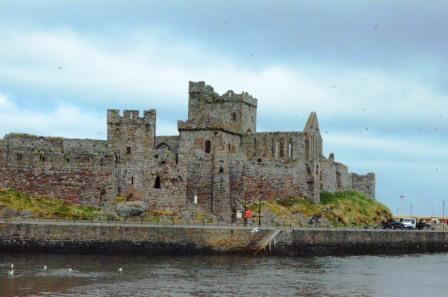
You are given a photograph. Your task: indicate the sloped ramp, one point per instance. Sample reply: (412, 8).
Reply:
(266, 242)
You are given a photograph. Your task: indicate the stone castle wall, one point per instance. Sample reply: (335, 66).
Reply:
(80, 171)
(364, 183)
(218, 157)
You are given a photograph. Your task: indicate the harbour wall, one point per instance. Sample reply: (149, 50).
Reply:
(101, 238)
(313, 242)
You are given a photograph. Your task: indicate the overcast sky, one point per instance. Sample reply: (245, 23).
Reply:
(374, 71)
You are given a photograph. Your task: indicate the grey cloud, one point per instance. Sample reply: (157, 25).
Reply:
(367, 32)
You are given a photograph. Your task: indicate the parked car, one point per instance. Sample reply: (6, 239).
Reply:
(392, 225)
(423, 226)
(409, 223)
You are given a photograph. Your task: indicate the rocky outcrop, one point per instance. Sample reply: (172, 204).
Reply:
(131, 208)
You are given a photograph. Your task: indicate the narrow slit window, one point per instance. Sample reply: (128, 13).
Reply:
(208, 146)
(281, 148)
(157, 183)
(290, 150)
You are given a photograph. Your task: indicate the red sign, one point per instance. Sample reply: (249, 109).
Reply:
(247, 214)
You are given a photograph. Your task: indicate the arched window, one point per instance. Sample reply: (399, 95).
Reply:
(157, 183)
(208, 146)
(234, 117)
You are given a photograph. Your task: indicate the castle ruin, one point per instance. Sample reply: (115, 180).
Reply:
(218, 158)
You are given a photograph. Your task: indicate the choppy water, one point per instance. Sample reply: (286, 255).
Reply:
(413, 275)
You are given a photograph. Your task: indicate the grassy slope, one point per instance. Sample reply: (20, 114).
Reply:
(335, 209)
(340, 209)
(16, 204)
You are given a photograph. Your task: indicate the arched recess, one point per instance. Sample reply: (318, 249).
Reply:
(163, 145)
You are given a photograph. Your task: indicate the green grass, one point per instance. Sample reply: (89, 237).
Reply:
(342, 209)
(354, 209)
(35, 207)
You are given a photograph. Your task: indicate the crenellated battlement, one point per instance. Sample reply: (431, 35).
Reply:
(131, 132)
(237, 112)
(130, 116)
(207, 92)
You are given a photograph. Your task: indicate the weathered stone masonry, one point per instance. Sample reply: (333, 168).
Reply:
(217, 156)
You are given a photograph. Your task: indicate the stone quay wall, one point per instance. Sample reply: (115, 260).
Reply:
(98, 238)
(320, 242)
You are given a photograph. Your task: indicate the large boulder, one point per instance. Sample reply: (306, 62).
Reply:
(131, 208)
